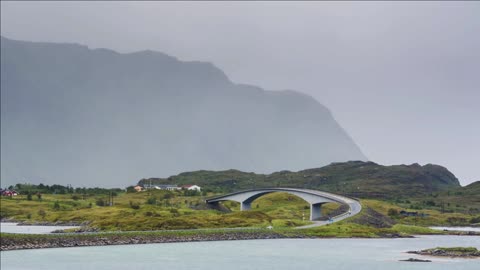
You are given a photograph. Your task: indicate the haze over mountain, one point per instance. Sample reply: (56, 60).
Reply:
(72, 115)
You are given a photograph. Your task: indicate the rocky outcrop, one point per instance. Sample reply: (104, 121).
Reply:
(374, 219)
(415, 260)
(465, 252)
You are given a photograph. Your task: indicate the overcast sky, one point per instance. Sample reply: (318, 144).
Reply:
(403, 78)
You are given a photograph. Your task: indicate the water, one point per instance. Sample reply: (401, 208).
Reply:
(463, 229)
(280, 254)
(33, 229)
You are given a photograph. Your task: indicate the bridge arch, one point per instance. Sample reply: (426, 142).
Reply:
(313, 197)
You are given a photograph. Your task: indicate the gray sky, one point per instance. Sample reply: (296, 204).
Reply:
(403, 78)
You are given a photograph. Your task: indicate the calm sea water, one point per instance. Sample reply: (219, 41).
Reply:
(464, 229)
(33, 229)
(297, 254)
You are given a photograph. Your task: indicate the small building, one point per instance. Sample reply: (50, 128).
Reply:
(191, 187)
(10, 193)
(167, 187)
(138, 188)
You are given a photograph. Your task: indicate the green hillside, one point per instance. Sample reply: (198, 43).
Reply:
(355, 178)
(459, 199)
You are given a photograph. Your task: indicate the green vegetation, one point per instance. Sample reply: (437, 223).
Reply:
(450, 252)
(59, 189)
(355, 178)
(156, 210)
(457, 249)
(426, 217)
(167, 210)
(414, 197)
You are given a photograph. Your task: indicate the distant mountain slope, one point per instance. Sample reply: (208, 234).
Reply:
(473, 188)
(357, 178)
(73, 115)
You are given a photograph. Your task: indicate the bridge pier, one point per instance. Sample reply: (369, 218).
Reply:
(315, 211)
(245, 205)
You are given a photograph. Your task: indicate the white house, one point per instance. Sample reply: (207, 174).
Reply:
(191, 187)
(167, 187)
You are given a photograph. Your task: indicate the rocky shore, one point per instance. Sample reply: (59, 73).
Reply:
(414, 260)
(15, 242)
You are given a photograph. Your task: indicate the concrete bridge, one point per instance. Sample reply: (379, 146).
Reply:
(314, 197)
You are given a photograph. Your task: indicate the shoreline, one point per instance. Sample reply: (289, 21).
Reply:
(11, 242)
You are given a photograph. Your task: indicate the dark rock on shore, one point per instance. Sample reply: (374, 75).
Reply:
(395, 235)
(415, 260)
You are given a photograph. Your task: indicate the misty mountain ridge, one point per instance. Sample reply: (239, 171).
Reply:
(74, 115)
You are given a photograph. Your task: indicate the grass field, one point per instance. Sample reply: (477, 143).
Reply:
(162, 210)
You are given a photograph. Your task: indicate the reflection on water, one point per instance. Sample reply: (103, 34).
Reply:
(14, 228)
(463, 229)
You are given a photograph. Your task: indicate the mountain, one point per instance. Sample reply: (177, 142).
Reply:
(355, 178)
(80, 116)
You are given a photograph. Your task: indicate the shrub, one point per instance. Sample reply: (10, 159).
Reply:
(39, 196)
(392, 212)
(131, 189)
(135, 206)
(430, 203)
(475, 219)
(152, 200)
(75, 197)
(100, 202)
(457, 221)
(29, 196)
(56, 205)
(42, 213)
(168, 195)
(175, 212)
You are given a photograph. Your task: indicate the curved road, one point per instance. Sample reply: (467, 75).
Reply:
(354, 205)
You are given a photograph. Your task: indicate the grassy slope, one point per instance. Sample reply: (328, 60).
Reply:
(363, 179)
(277, 209)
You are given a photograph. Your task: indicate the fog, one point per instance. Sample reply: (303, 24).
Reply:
(400, 77)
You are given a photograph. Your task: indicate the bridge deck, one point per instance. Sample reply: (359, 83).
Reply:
(314, 197)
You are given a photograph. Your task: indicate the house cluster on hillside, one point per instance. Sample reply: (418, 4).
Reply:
(167, 187)
(6, 192)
